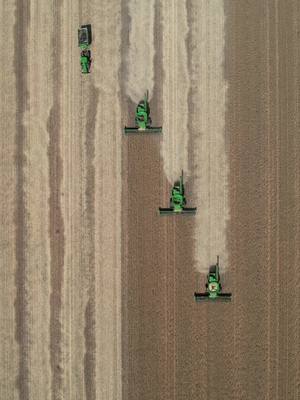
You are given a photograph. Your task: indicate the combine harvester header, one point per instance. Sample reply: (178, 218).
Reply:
(213, 287)
(142, 119)
(177, 201)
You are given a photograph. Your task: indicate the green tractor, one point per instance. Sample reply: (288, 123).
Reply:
(142, 119)
(177, 201)
(213, 287)
(84, 42)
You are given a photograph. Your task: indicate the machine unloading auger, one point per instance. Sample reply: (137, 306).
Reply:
(142, 119)
(213, 287)
(177, 201)
(84, 42)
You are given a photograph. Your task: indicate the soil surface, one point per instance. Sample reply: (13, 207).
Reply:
(96, 289)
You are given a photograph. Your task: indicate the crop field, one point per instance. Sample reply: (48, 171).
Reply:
(97, 289)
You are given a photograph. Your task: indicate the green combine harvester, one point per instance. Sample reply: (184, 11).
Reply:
(142, 119)
(213, 287)
(84, 42)
(177, 201)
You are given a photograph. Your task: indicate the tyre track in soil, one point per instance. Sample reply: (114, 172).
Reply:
(106, 22)
(9, 347)
(89, 90)
(56, 231)
(273, 228)
(73, 186)
(272, 177)
(89, 329)
(296, 186)
(36, 189)
(22, 18)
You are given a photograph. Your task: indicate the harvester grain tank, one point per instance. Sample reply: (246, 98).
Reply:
(213, 287)
(142, 119)
(84, 42)
(177, 201)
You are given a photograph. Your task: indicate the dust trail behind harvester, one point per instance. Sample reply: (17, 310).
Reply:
(175, 90)
(208, 125)
(141, 49)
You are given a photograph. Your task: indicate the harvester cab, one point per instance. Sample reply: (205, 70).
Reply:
(213, 287)
(84, 42)
(142, 119)
(177, 201)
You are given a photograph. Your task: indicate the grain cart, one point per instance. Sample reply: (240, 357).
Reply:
(84, 42)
